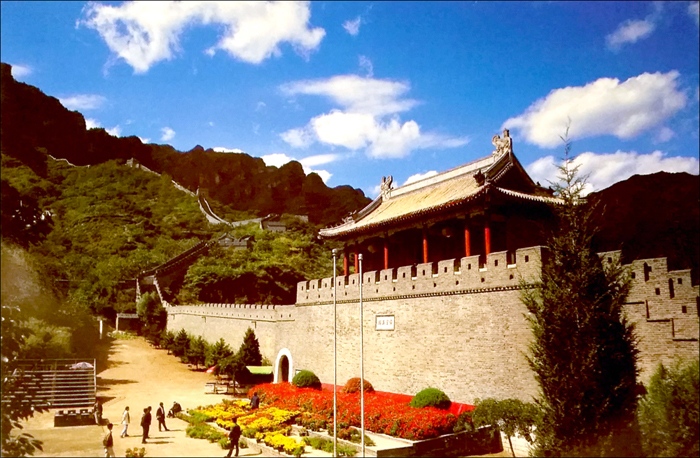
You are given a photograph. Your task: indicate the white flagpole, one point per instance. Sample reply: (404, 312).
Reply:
(335, 361)
(362, 367)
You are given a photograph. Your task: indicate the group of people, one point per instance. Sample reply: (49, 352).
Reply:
(146, 418)
(145, 423)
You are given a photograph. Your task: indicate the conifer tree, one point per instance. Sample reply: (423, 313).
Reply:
(583, 352)
(250, 349)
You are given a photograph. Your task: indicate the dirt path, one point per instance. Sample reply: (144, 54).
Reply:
(135, 375)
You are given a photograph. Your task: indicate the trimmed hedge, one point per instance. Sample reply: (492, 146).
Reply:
(306, 379)
(353, 386)
(431, 397)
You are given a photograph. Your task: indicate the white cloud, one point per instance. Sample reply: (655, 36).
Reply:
(20, 71)
(664, 134)
(115, 131)
(297, 138)
(260, 106)
(144, 140)
(357, 94)
(83, 101)
(211, 123)
(694, 11)
(92, 123)
(603, 107)
(223, 149)
(320, 159)
(279, 159)
(276, 160)
(368, 118)
(629, 32)
(353, 26)
(604, 170)
(144, 33)
(366, 66)
(168, 134)
(419, 176)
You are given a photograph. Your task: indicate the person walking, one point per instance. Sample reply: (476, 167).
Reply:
(126, 419)
(108, 442)
(97, 410)
(233, 436)
(160, 416)
(146, 423)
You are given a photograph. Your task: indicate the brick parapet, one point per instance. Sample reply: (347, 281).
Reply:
(251, 312)
(451, 276)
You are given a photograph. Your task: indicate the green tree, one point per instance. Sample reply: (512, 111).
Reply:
(668, 414)
(181, 343)
(197, 353)
(250, 349)
(234, 367)
(583, 352)
(217, 352)
(512, 417)
(16, 405)
(152, 315)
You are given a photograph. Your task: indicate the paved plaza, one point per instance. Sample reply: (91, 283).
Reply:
(135, 375)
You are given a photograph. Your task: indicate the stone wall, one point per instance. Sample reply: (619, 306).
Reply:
(458, 326)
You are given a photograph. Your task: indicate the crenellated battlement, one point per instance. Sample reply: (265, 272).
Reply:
(256, 312)
(500, 271)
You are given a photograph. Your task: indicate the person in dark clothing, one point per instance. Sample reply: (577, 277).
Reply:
(174, 410)
(233, 436)
(160, 416)
(146, 423)
(108, 442)
(255, 401)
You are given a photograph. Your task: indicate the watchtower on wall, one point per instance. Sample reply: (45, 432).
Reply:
(489, 205)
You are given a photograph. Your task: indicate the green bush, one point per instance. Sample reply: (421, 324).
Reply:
(668, 413)
(306, 379)
(431, 397)
(353, 386)
(249, 433)
(346, 450)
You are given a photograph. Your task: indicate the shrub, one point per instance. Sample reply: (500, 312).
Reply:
(431, 397)
(353, 386)
(306, 379)
(135, 452)
(346, 450)
(668, 413)
(181, 343)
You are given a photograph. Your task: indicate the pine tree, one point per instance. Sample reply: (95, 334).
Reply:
(583, 352)
(250, 349)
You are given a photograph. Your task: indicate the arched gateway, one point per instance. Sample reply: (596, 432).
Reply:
(284, 366)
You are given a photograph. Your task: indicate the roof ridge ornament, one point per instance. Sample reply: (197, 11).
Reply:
(385, 187)
(503, 145)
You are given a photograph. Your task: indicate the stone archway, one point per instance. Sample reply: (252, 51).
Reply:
(284, 366)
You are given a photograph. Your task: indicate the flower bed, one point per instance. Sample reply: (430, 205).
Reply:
(270, 425)
(382, 414)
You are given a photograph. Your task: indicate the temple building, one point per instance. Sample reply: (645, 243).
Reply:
(489, 205)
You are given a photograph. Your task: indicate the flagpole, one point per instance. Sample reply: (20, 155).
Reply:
(335, 361)
(362, 367)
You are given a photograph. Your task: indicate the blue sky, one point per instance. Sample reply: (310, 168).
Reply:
(359, 90)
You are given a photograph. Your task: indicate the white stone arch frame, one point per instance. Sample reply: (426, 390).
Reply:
(288, 354)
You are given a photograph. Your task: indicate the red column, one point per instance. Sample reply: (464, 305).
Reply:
(467, 244)
(425, 244)
(386, 253)
(487, 233)
(345, 262)
(357, 259)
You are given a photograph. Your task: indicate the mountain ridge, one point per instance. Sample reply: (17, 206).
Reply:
(35, 124)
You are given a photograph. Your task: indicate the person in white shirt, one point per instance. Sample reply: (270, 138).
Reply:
(126, 419)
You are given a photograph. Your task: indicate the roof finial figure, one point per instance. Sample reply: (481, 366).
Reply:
(503, 145)
(385, 187)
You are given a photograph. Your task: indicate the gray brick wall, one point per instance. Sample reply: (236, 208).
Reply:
(458, 327)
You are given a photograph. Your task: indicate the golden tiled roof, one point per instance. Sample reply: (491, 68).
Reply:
(441, 191)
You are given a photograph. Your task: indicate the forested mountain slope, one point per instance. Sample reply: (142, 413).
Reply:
(34, 124)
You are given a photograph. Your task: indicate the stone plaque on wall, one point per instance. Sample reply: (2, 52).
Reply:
(384, 322)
